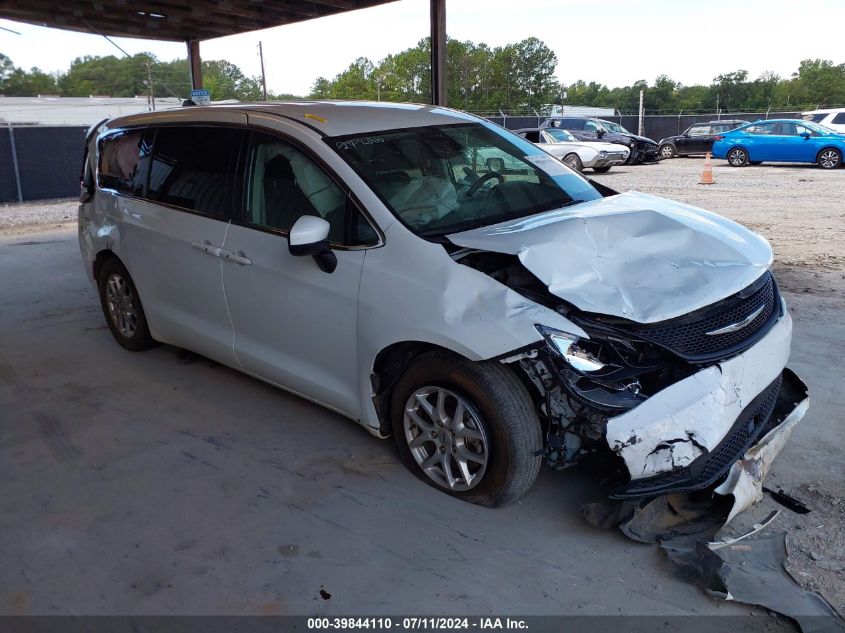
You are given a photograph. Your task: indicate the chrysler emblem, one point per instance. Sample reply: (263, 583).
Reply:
(733, 327)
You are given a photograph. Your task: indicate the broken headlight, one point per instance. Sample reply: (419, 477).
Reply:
(572, 349)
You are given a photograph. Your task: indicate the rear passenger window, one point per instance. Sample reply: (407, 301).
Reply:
(839, 119)
(192, 168)
(119, 157)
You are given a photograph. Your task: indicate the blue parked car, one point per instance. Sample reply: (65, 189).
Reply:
(781, 140)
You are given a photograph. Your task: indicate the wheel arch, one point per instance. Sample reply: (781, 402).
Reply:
(833, 147)
(392, 361)
(100, 258)
(388, 366)
(744, 148)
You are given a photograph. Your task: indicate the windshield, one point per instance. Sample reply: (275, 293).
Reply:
(561, 136)
(446, 178)
(614, 127)
(817, 127)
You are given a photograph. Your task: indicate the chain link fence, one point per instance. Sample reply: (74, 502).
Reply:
(40, 162)
(655, 126)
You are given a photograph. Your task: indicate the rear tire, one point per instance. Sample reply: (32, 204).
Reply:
(122, 307)
(495, 432)
(666, 151)
(829, 158)
(573, 161)
(737, 157)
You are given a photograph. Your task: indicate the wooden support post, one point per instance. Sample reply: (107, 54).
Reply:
(439, 81)
(195, 64)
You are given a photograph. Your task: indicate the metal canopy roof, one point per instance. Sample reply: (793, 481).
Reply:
(173, 19)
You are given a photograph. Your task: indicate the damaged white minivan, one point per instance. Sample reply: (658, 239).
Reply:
(436, 278)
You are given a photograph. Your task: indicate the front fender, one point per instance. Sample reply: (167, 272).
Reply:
(411, 290)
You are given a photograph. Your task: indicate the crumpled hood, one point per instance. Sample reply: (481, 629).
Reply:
(632, 255)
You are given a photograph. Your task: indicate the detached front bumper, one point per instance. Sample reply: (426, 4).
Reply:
(689, 435)
(612, 159)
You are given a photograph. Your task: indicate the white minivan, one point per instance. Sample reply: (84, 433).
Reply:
(366, 257)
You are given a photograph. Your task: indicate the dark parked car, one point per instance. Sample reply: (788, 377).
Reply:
(643, 150)
(696, 139)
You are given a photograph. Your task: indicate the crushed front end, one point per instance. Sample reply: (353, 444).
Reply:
(673, 406)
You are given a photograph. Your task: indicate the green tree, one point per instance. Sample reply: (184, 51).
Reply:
(819, 83)
(732, 90)
(356, 82)
(6, 68)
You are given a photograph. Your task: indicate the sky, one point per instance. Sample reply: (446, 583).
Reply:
(614, 42)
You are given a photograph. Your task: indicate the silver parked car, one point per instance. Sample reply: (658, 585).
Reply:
(366, 257)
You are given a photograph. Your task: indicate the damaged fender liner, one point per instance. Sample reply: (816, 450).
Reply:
(706, 469)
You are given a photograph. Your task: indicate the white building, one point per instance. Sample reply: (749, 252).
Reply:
(82, 111)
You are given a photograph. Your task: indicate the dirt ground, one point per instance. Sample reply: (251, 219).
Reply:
(800, 210)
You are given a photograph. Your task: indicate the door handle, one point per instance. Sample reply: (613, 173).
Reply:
(237, 258)
(208, 248)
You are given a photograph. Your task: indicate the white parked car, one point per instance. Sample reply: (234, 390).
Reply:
(364, 257)
(575, 154)
(833, 118)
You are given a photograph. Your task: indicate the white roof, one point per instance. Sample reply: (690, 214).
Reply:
(824, 111)
(330, 118)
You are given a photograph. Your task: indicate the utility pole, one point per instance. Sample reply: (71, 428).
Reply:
(718, 111)
(263, 78)
(640, 122)
(150, 91)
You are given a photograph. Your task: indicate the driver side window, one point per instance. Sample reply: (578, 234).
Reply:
(284, 184)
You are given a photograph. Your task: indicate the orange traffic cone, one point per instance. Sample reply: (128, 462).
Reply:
(707, 174)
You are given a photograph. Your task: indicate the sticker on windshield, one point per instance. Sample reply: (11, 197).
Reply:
(549, 164)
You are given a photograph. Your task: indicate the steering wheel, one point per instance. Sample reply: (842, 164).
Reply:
(474, 187)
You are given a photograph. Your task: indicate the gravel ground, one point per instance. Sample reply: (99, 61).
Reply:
(37, 216)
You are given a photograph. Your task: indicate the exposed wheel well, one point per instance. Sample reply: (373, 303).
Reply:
(100, 259)
(391, 363)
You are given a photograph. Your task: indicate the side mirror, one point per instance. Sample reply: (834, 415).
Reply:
(309, 236)
(805, 135)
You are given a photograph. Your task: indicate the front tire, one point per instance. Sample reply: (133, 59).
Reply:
(467, 428)
(829, 158)
(573, 161)
(666, 151)
(737, 157)
(122, 307)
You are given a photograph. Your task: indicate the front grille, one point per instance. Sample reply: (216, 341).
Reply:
(687, 336)
(707, 468)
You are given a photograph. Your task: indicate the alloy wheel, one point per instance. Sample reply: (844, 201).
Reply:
(737, 157)
(446, 438)
(829, 159)
(121, 305)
